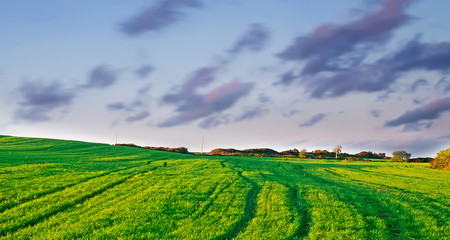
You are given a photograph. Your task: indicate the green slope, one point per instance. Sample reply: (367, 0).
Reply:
(55, 189)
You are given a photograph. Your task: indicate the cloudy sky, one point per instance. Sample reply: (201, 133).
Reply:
(370, 75)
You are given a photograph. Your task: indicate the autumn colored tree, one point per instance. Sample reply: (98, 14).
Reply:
(442, 160)
(302, 154)
(337, 149)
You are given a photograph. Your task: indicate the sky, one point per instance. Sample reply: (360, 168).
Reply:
(370, 75)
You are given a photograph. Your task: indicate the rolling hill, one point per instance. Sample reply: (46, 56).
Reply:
(58, 189)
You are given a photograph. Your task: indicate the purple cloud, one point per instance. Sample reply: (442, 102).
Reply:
(253, 40)
(144, 70)
(138, 117)
(158, 16)
(200, 78)
(325, 47)
(195, 106)
(101, 77)
(314, 120)
(430, 111)
(427, 56)
(39, 99)
(366, 78)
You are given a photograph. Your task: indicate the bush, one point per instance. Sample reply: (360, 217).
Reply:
(442, 160)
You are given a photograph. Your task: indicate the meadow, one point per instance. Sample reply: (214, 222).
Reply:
(57, 189)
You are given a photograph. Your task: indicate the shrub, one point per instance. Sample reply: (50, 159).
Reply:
(442, 160)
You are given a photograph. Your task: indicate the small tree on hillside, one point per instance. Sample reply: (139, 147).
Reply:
(302, 154)
(337, 149)
(400, 156)
(442, 160)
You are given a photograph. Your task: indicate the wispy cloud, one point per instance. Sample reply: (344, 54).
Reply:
(375, 113)
(250, 113)
(194, 106)
(314, 120)
(430, 111)
(253, 40)
(144, 70)
(39, 99)
(101, 77)
(417, 84)
(159, 16)
(323, 47)
(214, 121)
(138, 117)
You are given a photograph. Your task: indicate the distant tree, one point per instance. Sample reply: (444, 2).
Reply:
(337, 149)
(302, 154)
(442, 160)
(400, 156)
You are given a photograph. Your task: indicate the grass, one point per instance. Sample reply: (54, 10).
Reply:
(54, 189)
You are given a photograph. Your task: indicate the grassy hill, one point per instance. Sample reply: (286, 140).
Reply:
(55, 189)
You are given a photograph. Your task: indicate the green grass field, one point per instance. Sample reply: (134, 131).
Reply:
(54, 189)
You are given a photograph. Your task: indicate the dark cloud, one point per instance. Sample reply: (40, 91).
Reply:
(250, 113)
(39, 99)
(138, 117)
(417, 84)
(287, 78)
(430, 111)
(253, 40)
(158, 16)
(426, 56)
(101, 77)
(334, 56)
(326, 46)
(368, 78)
(144, 70)
(314, 120)
(194, 106)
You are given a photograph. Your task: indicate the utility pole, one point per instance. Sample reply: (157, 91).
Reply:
(203, 140)
(116, 139)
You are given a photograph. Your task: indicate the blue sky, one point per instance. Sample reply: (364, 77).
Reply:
(370, 75)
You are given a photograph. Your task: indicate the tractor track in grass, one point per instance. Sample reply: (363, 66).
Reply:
(54, 190)
(383, 212)
(250, 207)
(209, 201)
(298, 205)
(64, 207)
(435, 205)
